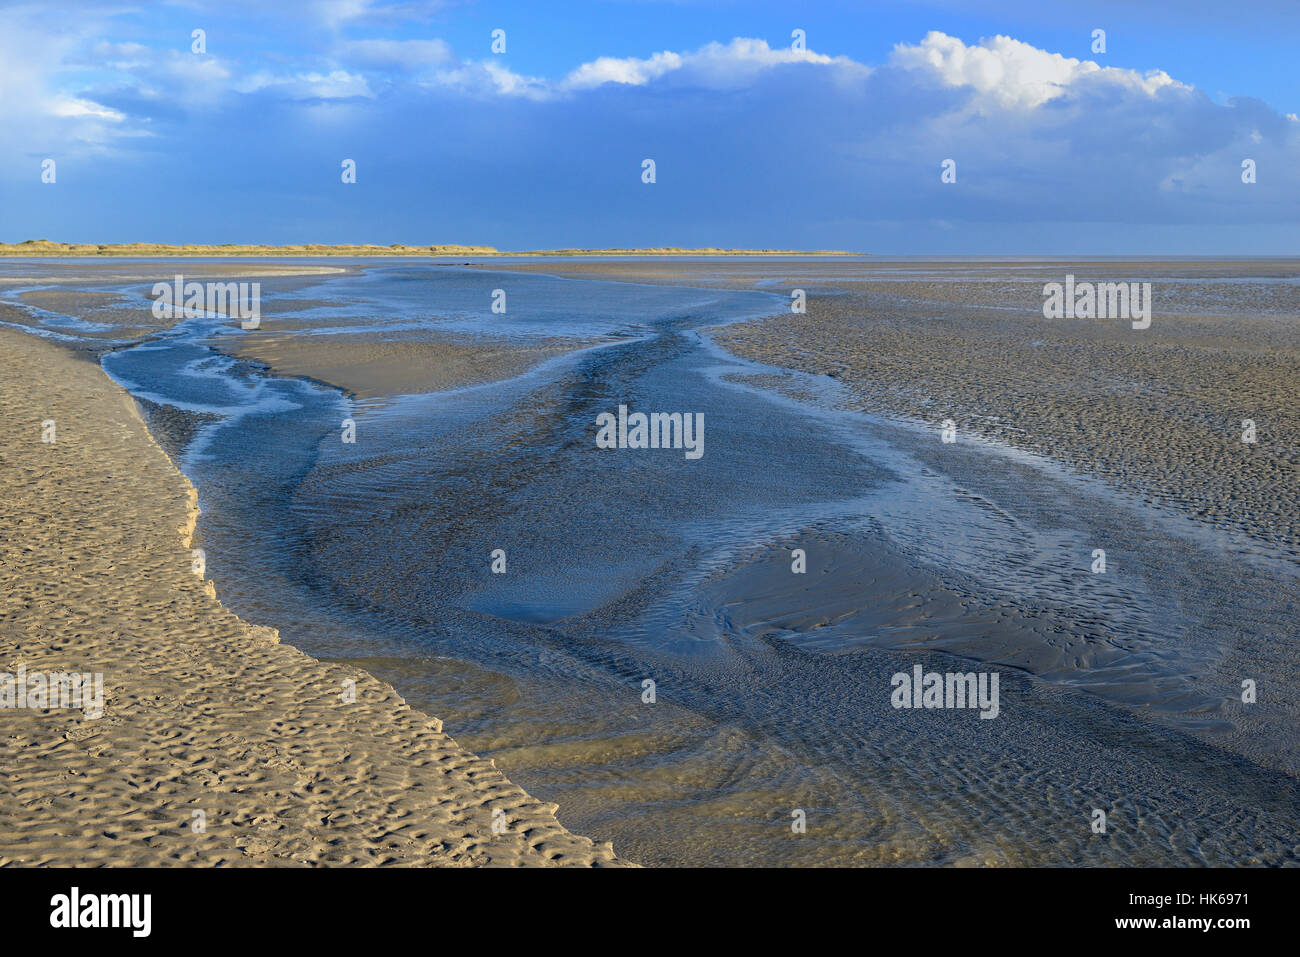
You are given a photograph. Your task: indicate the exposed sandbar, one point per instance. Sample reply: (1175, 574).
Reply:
(366, 366)
(206, 719)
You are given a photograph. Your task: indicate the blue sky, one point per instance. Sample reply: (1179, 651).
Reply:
(1058, 149)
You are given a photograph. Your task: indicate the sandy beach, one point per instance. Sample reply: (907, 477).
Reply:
(217, 744)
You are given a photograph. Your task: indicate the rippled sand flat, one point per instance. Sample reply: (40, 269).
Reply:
(204, 714)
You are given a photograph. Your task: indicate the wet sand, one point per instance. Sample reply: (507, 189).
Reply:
(67, 307)
(217, 743)
(371, 366)
(1157, 412)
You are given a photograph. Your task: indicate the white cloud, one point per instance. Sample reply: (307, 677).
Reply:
(335, 85)
(42, 108)
(1016, 75)
(490, 77)
(70, 106)
(714, 65)
(629, 70)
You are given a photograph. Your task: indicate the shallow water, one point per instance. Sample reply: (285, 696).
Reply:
(772, 689)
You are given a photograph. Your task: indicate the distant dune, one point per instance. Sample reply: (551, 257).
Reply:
(44, 247)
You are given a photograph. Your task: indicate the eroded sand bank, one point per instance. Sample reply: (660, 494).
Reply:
(217, 744)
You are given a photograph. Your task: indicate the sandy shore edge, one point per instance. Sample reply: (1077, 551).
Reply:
(217, 745)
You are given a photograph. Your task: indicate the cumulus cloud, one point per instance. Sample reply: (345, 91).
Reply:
(629, 70)
(1017, 75)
